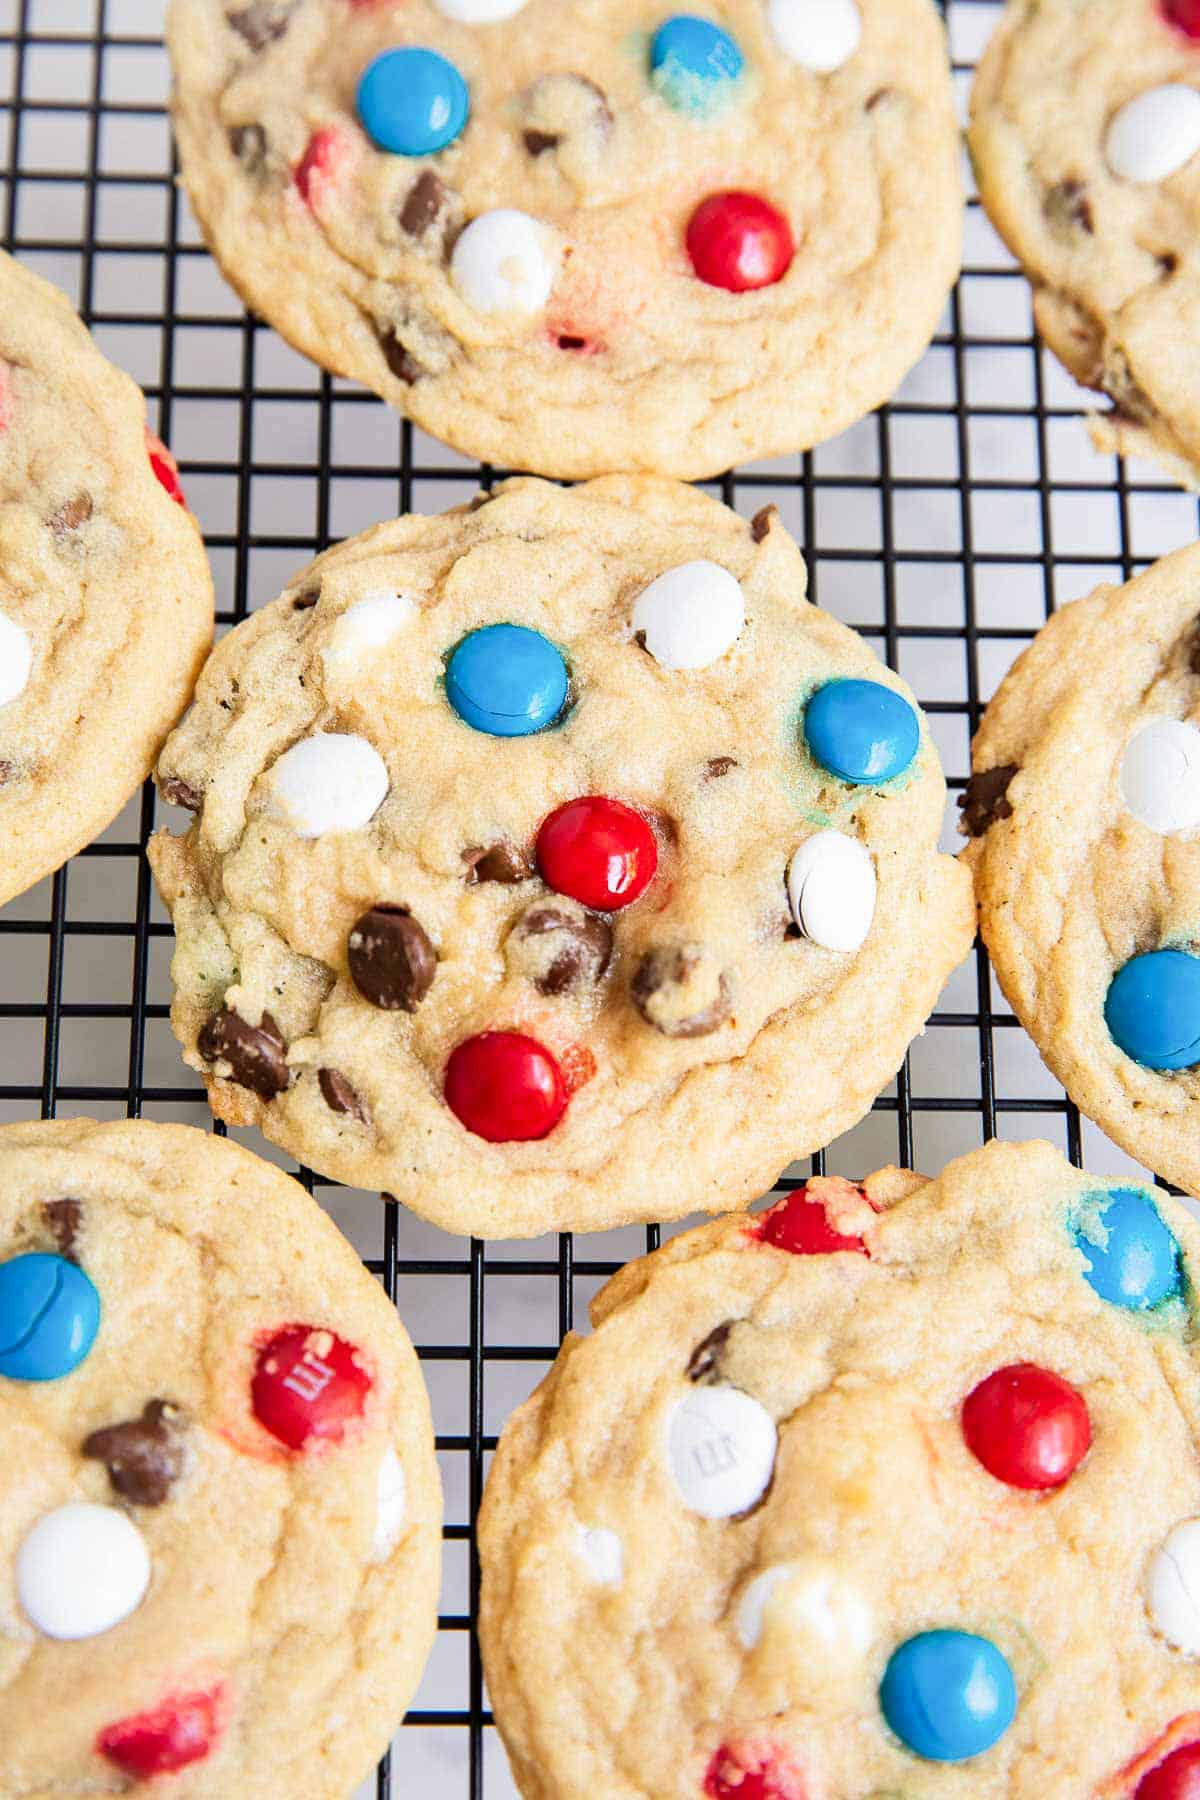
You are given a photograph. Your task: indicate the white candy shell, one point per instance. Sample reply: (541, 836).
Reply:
(391, 1506)
(328, 782)
(479, 12)
(721, 1451)
(1160, 775)
(831, 888)
(81, 1570)
(691, 615)
(1154, 134)
(368, 625)
(1173, 1588)
(601, 1553)
(818, 34)
(16, 659)
(502, 263)
(811, 1600)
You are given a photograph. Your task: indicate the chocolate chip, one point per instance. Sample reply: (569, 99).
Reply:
(538, 142)
(70, 515)
(1194, 651)
(425, 201)
(985, 799)
(680, 991)
(62, 1217)
(501, 862)
(1130, 400)
(256, 1054)
(249, 145)
(391, 959)
(144, 1456)
(566, 342)
(340, 1097)
(177, 792)
(877, 98)
(560, 947)
(1168, 262)
(304, 602)
(716, 766)
(561, 107)
(401, 362)
(1068, 207)
(261, 23)
(705, 1359)
(762, 522)
(8, 771)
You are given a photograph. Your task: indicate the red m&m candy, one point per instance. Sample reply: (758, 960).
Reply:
(802, 1226)
(308, 1386)
(1027, 1426)
(1184, 15)
(598, 851)
(179, 1732)
(318, 163)
(505, 1087)
(165, 467)
(1177, 1777)
(739, 241)
(740, 1773)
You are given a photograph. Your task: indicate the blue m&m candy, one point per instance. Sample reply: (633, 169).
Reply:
(49, 1317)
(1132, 1258)
(412, 102)
(1153, 1009)
(861, 731)
(694, 63)
(948, 1695)
(507, 680)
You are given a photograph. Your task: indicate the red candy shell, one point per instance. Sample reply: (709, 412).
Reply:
(1176, 1778)
(505, 1087)
(308, 1386)
(598, 851)
(739, 241)
(801, 1226)
(1184, 15)
(319, 162)
(165, 467)
(179, 1732)
(738, 1772)
(1027, 1426)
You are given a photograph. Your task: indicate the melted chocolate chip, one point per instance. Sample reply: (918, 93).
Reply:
(62, 1217)
(501, 862)
(304, 602)
(340, 1097)
(401, 362)
(985, 799)
(561, 106)
(425, 202)
(1068, 207)
(70, 515)
(538, 142)
(391, 959)
(1168, 262)
(262, 22)
(877, 98)
(249, 145)
(1194, 652)
(705, 1359)
(565, 341)
(256, 1054)
(144, 1456)
(762, 522)
(177, 792)
(560, 950)
(679, 991)
(716, 766)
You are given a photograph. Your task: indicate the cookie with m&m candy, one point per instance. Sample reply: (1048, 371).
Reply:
(1084, 818)
(891, 1488)
(573, 240)
(222, 1554)
(555, 864)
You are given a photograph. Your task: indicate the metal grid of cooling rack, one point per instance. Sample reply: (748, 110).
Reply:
(943, 528)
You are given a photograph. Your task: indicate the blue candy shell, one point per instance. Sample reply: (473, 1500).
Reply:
(861, 731)
(693, 62)
(1133, 1259)
(507, 680)
(948, 1695)
(412, 102)
(1153, 1009)
(49, 1317)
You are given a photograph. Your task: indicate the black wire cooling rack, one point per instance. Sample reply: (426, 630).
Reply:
(944, 528)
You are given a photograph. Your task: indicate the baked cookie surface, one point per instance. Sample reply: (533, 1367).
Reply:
(106, 602)
(220, 1527)
(1084, 133)
(890, 1490)
(1085, 810)
(515, 862)
(585, 239)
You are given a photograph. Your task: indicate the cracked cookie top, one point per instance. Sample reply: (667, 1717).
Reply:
(106, 601)
(1085, 128)
(575, 241)
(538, 837)
(891, 1490)
(220, 1536)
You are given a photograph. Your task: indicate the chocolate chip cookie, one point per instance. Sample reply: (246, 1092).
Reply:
(554, 863)
(1085, 128)
(220, 1528)
(1084, 819)
(891, 1490)
(106, 602)
(574, 241)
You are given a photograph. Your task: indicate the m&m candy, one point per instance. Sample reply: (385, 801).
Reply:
(801, 1226)
(507, 681)
(166, 469)
(690, 616)
(818, 34)
(1153, 1009)
(412, 102)
(1173, 1588)
(861, 731)
(948, 1695)
(739, 241)
(694, 63)
(505, 1087)
(1027, 1426)
(1130, 1257)
(49, 1317)
(599, 851)
(81, 1570)
(171, 1736)
(1177, 1777)
(309, 1386)
(1184, 15)
(1160, 775)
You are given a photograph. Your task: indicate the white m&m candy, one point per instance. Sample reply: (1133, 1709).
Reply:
(831, 890)
(1160, 775)
(329, 782)
(391, 1506)
(504, 263)
(601, 1553)
(815, 1601)
(1155, 134)
(1173, 1588)
(479, 12)
(690, 616)
(721, 1451)
(368, 625)
(16, 659)
(81, 1570)
(818, 34)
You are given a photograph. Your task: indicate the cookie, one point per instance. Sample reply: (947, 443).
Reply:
(220, 1536)
(555, 864)
(890, 1490)
(1084, 818)
(1085, 127)
(106, 602)
(610, 239)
